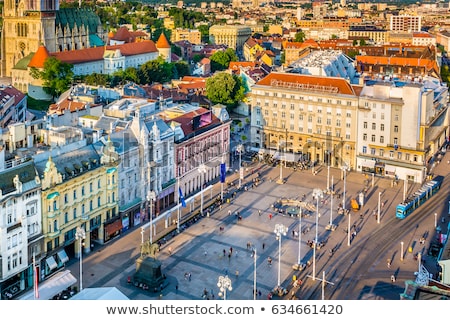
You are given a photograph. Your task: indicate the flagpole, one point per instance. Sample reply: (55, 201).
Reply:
(35, 278)
(178, 202)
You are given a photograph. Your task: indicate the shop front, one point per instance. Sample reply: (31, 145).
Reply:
(112, 229)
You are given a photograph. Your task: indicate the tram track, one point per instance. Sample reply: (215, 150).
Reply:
(350, 269)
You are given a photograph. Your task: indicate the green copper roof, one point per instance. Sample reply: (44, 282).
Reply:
(79, 17)
(95, 41)
(23, 63)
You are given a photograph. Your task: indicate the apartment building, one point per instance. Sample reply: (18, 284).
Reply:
(401, 125)
(194, 36)
(405, 23)
(234, 36)
(305, 116)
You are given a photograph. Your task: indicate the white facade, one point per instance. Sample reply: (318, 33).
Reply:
(20, 222)
(400, 127)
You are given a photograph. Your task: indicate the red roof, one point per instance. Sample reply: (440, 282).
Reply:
(94, 54)
(307, 82)
(162, 42)
(39, 58)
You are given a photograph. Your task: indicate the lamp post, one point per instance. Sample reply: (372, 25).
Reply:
(299, 236)
(224, 284)
(202, 170)
(331, 226)
(80, 235)
(239, 149)
(151, 196)
(254, 273)
(142, 235)
(280, 180)
(435, 220)
(401, 251)
(280, 230)
(344, 168)
(317, 193)
(348, 229)
(379, 207)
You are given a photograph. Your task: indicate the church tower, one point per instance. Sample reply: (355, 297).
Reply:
(26, 25)
(163, 47)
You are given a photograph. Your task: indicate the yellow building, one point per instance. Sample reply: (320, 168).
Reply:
(79, 190)
(234, 36)
(305, 115)
(194, 36)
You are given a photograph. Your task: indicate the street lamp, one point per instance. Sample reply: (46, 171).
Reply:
(317, 193)
(239, 149)
(299, 236)
(280, 229)
(435, 219)
(348, 230)
(331, 226)
(344, 168)
(224, 284)
(280, 180)
(401, 251)
(151, 196)
(202, 170)
(80, 235)
(254, 273)
(379, 207)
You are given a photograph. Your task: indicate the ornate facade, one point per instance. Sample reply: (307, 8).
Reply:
(29, 24)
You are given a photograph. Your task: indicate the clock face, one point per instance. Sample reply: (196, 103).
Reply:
(22, 46)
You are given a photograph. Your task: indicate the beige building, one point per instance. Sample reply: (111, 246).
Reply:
(30, 24)
(194, 36)
(305, 115)
(234, 36)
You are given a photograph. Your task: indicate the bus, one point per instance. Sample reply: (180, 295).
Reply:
(419, 197)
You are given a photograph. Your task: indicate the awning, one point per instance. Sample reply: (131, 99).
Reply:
(113, 227)
(52, 286)
(389, 170)
(62, 255)
(51, 263)
(368, 163)
(52, 195)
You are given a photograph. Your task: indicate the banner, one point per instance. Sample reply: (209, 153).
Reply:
(183, 203)
(223, 172)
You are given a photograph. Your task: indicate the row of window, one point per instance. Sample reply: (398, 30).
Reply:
(14, 240)
(400, 155)
(309, 98)
(15, 260)
(111, 198)
(373, 138)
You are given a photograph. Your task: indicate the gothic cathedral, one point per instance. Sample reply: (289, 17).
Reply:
(27, 24)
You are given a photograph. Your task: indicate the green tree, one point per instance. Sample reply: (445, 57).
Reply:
(96, 79)
(220, 60)
(182, 69)
(157, 70)
(225, 88)
(56, 76)
(300, 36)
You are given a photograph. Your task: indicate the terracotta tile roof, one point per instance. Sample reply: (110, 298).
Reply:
(235, 65)
(307, 82)
(397, 61)
(95, 54)
(38, 59)
(123, 34)
(66, 104)
(162, 42)
(185, 120)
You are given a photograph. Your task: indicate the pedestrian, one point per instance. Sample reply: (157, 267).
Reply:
(392, 278)
(229, 212)
(263, 245)
(224, 252)
(170, 250)
(231, 250)
(205, 253)
(270, 216)
(236, 273)
(176, 289)
(189, 275)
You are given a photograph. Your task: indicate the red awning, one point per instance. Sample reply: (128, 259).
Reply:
(113, 227)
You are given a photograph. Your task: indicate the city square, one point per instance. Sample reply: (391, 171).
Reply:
(224, 245)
